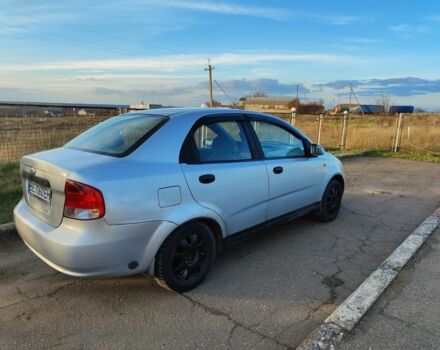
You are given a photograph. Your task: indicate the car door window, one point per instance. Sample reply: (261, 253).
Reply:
(278, 142)
(221, 141)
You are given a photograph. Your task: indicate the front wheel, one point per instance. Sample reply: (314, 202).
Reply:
(331, 201)
(185, 257)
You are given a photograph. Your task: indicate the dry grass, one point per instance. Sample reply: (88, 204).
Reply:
(10, 190)
(375, 132)
(20, 136)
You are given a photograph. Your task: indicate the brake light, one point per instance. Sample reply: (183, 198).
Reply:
(83, 202)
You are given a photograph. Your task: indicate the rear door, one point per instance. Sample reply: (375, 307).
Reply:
(294, 178)
(224, 174)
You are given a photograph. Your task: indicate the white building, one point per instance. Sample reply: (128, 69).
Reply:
(143, 105)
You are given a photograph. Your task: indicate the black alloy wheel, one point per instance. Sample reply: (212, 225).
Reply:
(185, 257)
(189, 256)
(331, 201)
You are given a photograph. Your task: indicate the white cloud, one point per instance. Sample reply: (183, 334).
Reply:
(406, 28)
(274, 13)
(173, 63)
(339, 20)
(362, 40)
(230, 9)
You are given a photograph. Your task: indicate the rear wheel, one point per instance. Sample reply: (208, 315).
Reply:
(185, 257)
(331, 201)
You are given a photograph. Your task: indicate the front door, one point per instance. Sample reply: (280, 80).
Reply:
(294, 178)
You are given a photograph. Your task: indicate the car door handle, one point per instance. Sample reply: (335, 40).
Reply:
(206, 178)
(278, 170)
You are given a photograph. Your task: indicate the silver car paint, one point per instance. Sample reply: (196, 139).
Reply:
(297, 186)
(91, 248)
(238, 194)
(138, 218)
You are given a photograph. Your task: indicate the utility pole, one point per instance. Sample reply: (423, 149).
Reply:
(210, 69)
(357, 100)
(349, 103)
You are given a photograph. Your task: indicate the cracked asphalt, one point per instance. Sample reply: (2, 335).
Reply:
(407, 315)
(269, 292)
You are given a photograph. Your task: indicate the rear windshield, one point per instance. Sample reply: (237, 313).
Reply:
(118, 136)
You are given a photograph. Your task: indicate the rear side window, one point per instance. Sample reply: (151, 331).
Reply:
(221, 141)
(118, 136)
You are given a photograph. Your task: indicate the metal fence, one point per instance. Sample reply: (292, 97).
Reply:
(418, 133)
(24, 135)
(408, 132)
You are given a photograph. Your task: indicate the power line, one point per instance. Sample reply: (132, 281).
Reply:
(71, 41)
(224, 92)
(118, 37)
(55, 40)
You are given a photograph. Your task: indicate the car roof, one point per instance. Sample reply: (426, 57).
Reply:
(196, 113)
(176, 112)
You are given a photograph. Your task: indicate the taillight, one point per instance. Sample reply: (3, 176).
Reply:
(83, 202)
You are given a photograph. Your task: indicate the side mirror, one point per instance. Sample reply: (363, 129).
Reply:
(316, 150)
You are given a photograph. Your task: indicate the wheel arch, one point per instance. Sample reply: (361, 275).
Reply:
(215, 227)
(213, 224)
(340, 179)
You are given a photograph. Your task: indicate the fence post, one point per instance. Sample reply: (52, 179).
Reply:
(320, 127)
(293, 116)
(344, 130)
(398, 133)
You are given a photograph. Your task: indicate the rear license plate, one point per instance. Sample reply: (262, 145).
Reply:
(43, 193)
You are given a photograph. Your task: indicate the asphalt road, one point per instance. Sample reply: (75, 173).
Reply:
(268, 292)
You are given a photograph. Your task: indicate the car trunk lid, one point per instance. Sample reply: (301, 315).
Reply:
(43, 189)
(44, 176)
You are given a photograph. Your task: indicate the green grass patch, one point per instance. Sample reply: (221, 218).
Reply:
(424, 157)
(10, 190)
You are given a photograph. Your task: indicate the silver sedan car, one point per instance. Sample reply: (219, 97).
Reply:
(162, 191)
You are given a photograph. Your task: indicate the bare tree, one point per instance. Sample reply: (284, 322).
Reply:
(259, 94)
(385, 102)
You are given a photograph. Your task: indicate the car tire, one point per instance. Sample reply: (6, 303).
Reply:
(185, 257)
(331, 202)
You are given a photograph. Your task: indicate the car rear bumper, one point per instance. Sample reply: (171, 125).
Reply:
(92, 248)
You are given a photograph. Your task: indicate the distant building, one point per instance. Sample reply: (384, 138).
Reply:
(83, 113)
(143, 105)
(358, 109)
(371, 109)
(53, 113)
(280, 106)
(266, 104)
(401, 109)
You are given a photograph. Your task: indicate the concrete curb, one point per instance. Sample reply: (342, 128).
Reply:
(8, 232)
(350, 312)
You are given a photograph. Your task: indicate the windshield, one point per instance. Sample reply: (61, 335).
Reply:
(118, 136)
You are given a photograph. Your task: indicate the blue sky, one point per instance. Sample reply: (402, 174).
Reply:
(155, 51)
